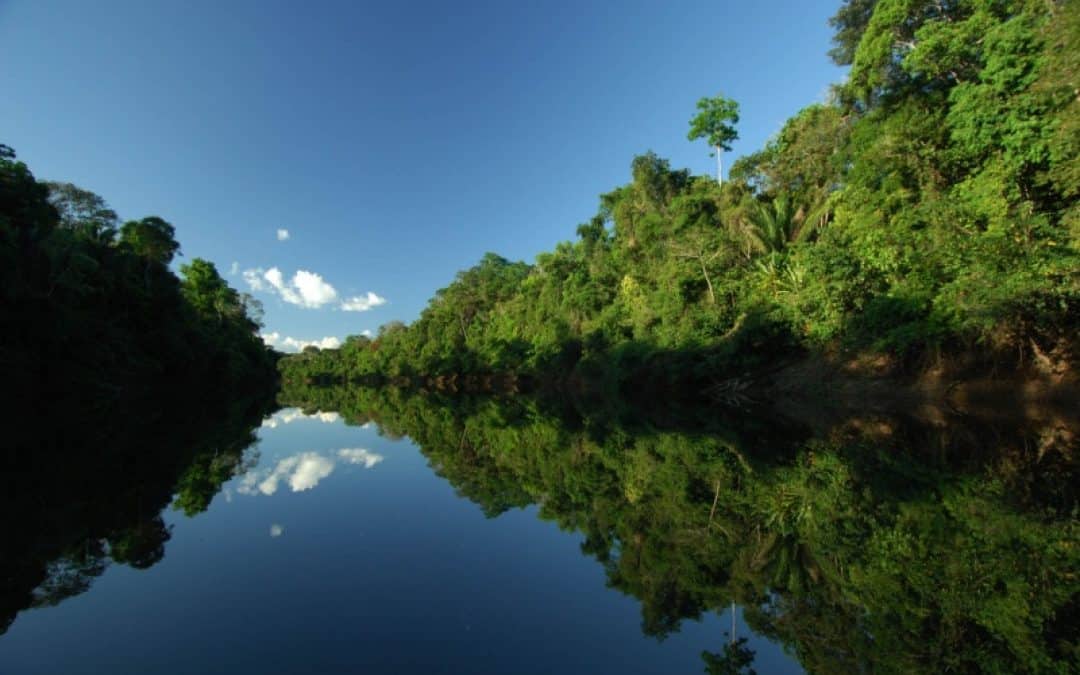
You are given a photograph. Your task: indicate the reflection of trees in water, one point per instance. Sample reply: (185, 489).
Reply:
(81, 493)
(71, 574)
(879, 544)
(736, 658)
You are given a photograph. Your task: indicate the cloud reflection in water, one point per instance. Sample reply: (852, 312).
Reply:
(303, 471)
(290, 415)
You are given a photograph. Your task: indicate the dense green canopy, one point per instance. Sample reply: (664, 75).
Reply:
(930, 208)
(90, 306)
(139, 385)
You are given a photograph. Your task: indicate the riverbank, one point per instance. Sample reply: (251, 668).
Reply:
(822, 391)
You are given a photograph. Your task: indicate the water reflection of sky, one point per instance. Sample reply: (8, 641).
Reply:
(384, 554)
(279, 465)
(290, 415)
(303, 470)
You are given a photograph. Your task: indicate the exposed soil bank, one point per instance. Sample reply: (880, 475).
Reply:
(820, 390)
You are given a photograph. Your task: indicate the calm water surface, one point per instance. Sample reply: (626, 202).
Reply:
(336, 549)
(381, 530)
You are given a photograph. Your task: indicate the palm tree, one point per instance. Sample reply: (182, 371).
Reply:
(773, 225)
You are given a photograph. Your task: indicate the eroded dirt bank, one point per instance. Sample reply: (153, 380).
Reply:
(822, 392)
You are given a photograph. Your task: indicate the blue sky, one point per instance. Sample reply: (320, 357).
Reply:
(395, 142)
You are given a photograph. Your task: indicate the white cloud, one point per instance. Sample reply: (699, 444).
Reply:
(307, 289)
(302, 471)
(362, 303)
(234, 269)
(304, 289)
(282, 234)
(367, 332)
(271, 339)
(254, 279)
(314, 292)
(274, 278)
(309, 470)
(291, 344)
(276, 530)
(359, 456)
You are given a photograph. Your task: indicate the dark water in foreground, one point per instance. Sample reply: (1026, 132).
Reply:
(385, 532)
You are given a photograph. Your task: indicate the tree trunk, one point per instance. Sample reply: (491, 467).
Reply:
(716, 498)
(708, 282)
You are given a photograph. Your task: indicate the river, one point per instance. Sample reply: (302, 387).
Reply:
(399, 534)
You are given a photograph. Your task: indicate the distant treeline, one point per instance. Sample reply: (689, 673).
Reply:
(930, 207)
(89, 305)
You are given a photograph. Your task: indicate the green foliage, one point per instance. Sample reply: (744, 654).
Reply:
(850, 23)
(92, 308)
(83, 212)
(715, 122)
(931, 207)
(773, 225)
(150, 238)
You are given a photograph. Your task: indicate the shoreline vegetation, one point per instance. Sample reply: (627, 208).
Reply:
(868, 381)
(919, 232)
(131, 388)
(91, 310)
(838, 388)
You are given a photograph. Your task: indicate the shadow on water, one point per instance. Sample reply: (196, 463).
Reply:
(902, 542)
(86, 488)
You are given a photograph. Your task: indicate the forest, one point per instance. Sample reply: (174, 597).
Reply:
(927, 213)
(132, 388)
(922, 219)
(91, 309)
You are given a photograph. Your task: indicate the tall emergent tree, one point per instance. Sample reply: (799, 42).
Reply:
(715, 121)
